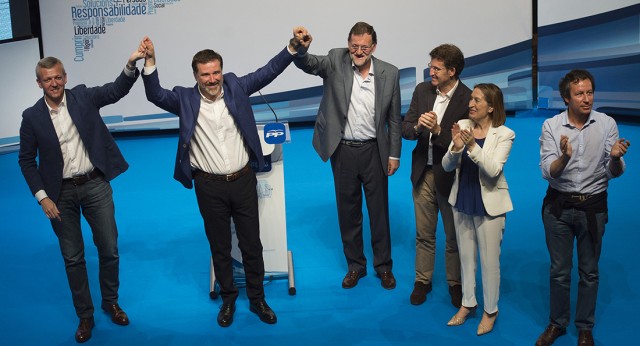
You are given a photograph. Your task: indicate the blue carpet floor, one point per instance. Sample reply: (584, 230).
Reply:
(165, 262)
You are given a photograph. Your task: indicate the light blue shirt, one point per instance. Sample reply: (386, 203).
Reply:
(587, 172)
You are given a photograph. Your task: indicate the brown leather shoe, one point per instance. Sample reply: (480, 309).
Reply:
(118, 316)
(455, 292)
(585, 338)
(419, 294)
(550, 334)
(387, 280)
(83, 333)
(351, 279)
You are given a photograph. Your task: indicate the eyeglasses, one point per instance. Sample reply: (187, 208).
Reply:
(49, 80)
(365, 49)
(435, 68)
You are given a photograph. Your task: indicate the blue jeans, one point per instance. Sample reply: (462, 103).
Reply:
(560, 233)
(95, 201)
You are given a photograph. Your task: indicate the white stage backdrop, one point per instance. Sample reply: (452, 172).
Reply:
(553, 11)
(20, 89)
(94, 37)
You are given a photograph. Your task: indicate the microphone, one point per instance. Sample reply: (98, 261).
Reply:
(274, 133)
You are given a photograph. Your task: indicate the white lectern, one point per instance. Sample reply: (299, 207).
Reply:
(278, 261)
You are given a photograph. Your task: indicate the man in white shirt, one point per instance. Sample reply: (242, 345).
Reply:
(77, 157)
(435, 106)
(358, 128)
(217, 140)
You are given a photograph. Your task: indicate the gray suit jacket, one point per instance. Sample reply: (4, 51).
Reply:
(337, 74)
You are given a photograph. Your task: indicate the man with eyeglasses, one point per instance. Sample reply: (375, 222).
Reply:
(435, 106)
(358, 128)
(77, 157)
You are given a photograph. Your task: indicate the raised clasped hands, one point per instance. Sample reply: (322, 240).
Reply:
(139, 53)
(147, 51)
(301, 40)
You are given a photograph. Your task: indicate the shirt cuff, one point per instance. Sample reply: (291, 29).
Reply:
(130, 73)
(40, 195)
(149, 70)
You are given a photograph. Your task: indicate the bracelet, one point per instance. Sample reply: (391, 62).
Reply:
(131, 68)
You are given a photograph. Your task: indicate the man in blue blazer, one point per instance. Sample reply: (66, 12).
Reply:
(218, 138)
(77, 157)
(358, 128)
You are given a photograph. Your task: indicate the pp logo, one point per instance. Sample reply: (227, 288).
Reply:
(274, 133)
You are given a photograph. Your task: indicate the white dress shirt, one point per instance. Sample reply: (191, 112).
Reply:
(217, 145)
(439, 107)
(361, 123)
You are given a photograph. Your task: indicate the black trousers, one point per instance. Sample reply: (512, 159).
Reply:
(219, 201)
(358, 168)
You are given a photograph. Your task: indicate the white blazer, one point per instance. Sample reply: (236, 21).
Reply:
(490, 160)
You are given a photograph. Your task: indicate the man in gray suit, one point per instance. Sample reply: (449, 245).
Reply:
(358, 127)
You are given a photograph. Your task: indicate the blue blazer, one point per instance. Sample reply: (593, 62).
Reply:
(185, 103)
(38, 137)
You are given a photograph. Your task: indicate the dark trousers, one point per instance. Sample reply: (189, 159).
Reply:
(560, 234)
(354, 169)
(219, 201)
(94, 200)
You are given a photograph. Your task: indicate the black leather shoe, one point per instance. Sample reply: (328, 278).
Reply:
(118, 316)
(419, 294)
(455, 292)
(263, 311)
(351, 279)
(585, 338)
(225, 316)
(387, 280)
(83, 333)
(550, 334)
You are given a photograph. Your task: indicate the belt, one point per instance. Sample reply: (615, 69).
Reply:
(224, 177)
(577, 197)
(81, 179)
(356, 143)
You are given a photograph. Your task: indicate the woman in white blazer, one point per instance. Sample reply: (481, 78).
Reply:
(480, 198)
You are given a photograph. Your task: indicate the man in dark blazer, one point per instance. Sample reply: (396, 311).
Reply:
(435, 107)
(358, 128)
(77, 157)
(217, 139)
